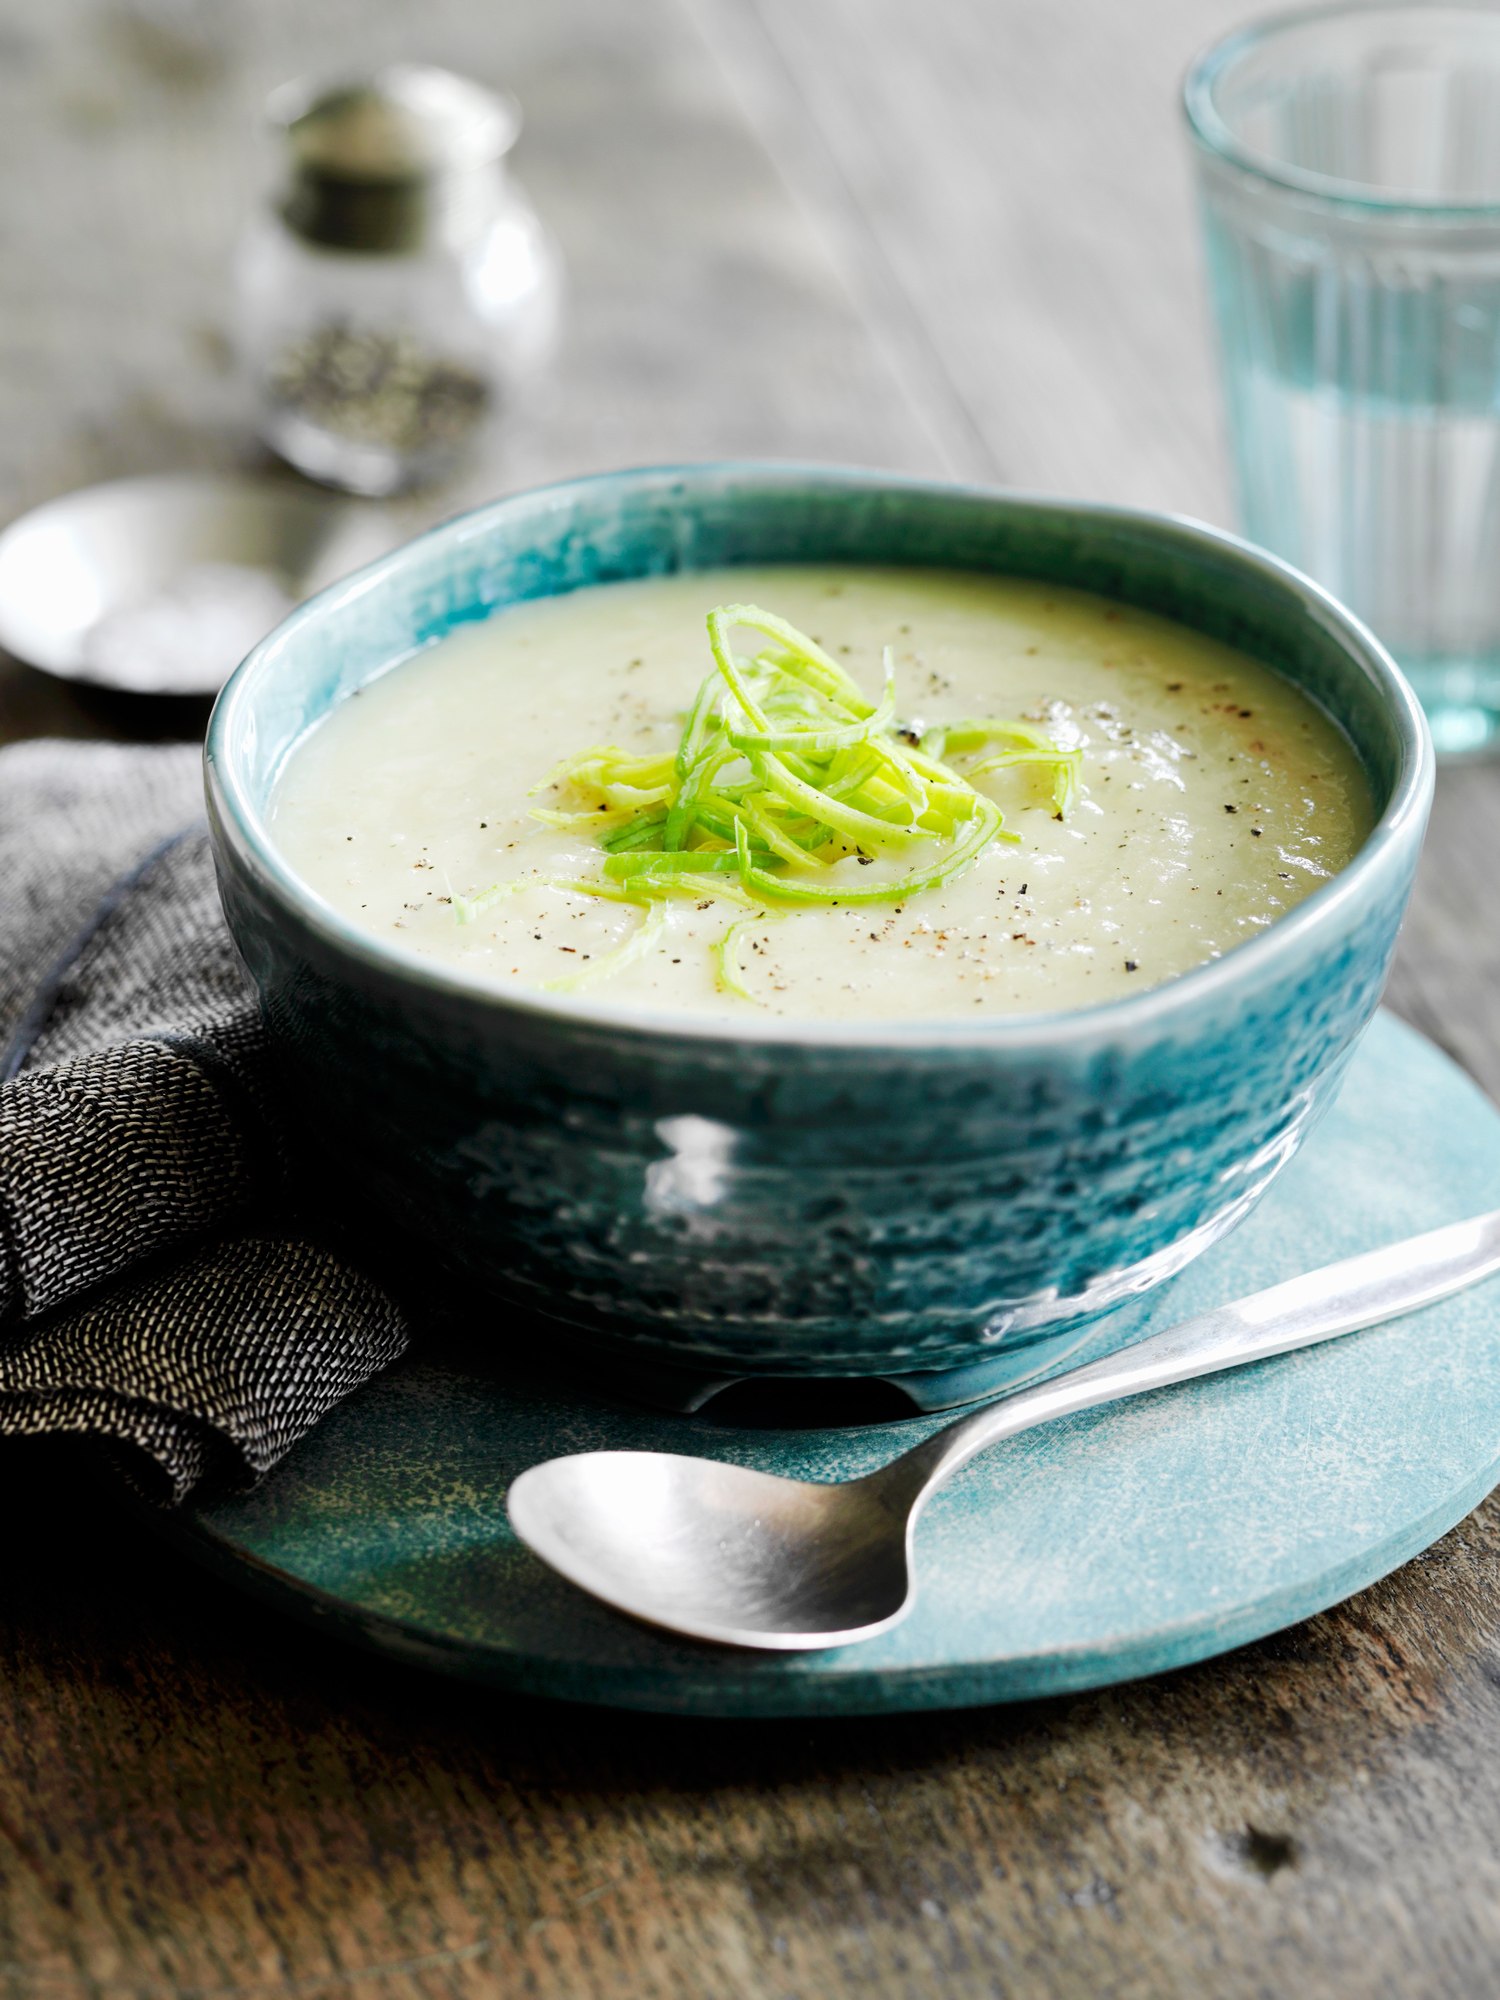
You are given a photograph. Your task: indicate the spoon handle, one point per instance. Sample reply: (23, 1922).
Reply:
(1341, 1298)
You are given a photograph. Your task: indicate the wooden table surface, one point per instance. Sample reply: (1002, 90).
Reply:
(947, 236)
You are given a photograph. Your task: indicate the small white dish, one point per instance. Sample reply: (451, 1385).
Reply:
(161, 584)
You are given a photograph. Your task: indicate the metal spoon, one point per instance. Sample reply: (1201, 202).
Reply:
(720, 1552)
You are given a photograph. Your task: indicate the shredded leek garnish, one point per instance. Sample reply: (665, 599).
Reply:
(726, 953)
(783, 768)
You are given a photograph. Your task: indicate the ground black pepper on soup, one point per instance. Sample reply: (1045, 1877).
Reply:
(869, 793)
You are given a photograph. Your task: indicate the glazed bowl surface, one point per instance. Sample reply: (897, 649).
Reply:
(819, 1198)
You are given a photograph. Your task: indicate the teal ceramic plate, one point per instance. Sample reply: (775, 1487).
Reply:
(1116, 1543)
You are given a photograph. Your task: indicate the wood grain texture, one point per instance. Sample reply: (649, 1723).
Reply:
(918, 233)
(197, 1801)
(704, 318)
(1010, 192)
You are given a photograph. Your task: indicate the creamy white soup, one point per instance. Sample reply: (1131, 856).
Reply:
(1178, 798)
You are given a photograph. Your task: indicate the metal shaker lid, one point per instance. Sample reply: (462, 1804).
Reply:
(371, 158)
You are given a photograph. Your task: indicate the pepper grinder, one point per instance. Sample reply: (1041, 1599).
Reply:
(397, 287)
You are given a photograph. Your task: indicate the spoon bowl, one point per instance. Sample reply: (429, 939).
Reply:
(720, 1551)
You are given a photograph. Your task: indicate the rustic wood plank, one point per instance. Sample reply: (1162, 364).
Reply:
(1446, 979)
(704, 320)
(196, 1799)
(1011, 191)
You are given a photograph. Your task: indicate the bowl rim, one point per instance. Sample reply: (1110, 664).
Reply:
(239, 825)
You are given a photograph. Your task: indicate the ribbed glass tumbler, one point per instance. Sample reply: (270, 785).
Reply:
(1349, 169)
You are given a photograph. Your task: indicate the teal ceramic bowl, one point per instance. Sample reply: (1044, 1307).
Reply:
(822, 1198)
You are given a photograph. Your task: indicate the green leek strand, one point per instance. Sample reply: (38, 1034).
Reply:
(780, 758)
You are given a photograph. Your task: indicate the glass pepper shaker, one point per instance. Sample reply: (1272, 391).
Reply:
(398, 286)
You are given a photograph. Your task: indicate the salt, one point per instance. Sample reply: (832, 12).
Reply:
(188, 636)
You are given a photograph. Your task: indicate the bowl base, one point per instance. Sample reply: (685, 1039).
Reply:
(688, 1392)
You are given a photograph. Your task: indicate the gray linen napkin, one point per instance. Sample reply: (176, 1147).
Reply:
(160, 1290)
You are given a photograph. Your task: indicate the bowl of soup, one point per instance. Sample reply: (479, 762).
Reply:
(881, 999)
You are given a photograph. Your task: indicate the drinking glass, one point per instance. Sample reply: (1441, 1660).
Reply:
(1349, 171)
